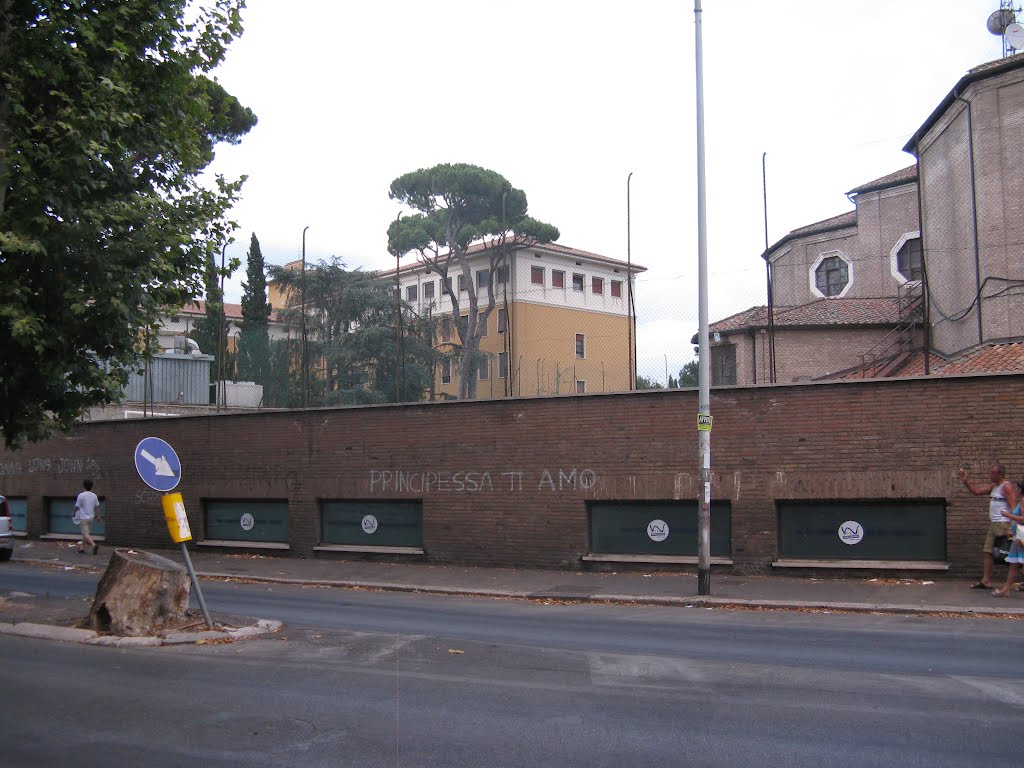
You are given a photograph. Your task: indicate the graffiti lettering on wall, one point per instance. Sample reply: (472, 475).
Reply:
(146, 496)
(442, 481)
(54, 466)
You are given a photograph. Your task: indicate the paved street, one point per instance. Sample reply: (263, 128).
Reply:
(910, 592)
(365, 677)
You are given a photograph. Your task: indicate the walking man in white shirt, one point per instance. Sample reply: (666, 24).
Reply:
(87, 509)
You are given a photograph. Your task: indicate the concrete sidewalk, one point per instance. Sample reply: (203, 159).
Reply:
(919, 594)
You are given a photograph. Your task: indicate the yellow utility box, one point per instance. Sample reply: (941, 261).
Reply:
(177, 520)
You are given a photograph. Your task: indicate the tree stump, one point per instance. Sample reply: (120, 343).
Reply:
(138, 592)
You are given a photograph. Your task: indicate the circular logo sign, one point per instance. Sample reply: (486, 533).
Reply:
(247, 522)
(369, 524)
(851, 532)
(657, 530)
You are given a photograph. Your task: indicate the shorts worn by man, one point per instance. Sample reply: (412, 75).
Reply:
(87, 509)
(1002, 498)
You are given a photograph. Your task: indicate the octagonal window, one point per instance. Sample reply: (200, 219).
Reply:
(908, 259)
(832, 275)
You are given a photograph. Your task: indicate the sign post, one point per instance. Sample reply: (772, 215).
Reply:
(160, 469)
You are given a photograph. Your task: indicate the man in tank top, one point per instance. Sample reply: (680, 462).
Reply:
(1002, 498)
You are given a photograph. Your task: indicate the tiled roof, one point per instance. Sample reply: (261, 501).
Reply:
(563, 250)
(231, 311)
(823, 312)
(859, 312)
(980, 72)
(842, 221)
(1007, 357)
(993, 358)
(898, 178)
(849, 219)
(755, 317)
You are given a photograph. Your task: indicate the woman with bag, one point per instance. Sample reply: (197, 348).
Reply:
(1016, 557)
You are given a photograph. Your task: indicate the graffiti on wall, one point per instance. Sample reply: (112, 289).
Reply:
(52, 466)
(469, 481)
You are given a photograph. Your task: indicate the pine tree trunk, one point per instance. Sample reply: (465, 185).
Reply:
(138, 592)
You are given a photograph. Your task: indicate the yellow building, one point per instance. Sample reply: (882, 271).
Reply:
(561, 323)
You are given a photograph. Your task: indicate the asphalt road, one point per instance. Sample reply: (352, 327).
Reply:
(382, 679)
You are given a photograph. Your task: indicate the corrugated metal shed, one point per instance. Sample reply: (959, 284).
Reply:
(172, 378)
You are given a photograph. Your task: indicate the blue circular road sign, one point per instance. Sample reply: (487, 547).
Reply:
(157, 464)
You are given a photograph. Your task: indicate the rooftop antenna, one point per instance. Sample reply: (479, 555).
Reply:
(1004, 24)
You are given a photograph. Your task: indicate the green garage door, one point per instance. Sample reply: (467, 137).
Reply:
(257, 521)
(656, 528)
(59, 513)
(867, 530)
(372, 523)
(19, 509)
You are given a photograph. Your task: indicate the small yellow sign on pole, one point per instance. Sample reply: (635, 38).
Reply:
(703, 422)
(177, 520)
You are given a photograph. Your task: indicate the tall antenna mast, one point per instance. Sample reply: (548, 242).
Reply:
(1004, 24)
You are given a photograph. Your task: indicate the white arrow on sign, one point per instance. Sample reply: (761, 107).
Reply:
(163, 469)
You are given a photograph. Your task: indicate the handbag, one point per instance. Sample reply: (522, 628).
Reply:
(1001, 546)
(1018, 532)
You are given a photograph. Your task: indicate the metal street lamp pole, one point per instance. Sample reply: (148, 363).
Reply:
(398, 309)
(305, 359)
(507, 267)
(629, 288)
(222, 346)
(704, 401)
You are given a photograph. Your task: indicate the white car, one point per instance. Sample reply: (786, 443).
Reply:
(6, 534)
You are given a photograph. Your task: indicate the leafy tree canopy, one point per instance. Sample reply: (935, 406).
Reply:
(642, 382)
(357, 352)
(107, 118)
(689, 375)
(456, 206)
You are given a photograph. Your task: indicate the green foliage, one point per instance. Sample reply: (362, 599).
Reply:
(457, 206)
(689, 375)
(207, 332)
(282, 388)
(107, 119)
(254, 339)
(353, 339)
(642, 382)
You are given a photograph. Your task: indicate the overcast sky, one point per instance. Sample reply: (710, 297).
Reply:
(565, 98)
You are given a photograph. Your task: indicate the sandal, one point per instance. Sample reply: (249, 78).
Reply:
(981, 585)
(1000, 593)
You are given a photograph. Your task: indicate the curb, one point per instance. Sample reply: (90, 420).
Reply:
(685, 602)
(90, 637)
(575, 597)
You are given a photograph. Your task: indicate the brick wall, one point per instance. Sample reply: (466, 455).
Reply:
(948, 206)
(890, 439)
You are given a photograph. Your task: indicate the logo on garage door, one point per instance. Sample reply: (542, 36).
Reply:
(657, 530)
(851, 532)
